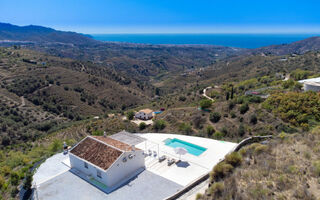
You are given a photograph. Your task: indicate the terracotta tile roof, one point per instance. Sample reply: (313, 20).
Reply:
(147, 111)
(96, 152)
(115, 143)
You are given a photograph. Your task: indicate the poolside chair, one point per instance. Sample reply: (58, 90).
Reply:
(145, 154)
(162, 158)
(171, 161)
(154, 153)
(149, 152)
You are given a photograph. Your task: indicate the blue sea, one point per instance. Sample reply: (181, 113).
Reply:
(230, 40)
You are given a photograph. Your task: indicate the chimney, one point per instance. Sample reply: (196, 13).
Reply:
(133, 148)
(104, 134)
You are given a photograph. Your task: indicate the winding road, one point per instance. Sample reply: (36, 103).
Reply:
(205, 95)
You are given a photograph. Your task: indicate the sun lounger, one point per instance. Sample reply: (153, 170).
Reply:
(154, 153)
(162, 158)
(171, 161)
(149, 152)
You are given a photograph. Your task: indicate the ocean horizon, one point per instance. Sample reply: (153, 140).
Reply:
(230, 40)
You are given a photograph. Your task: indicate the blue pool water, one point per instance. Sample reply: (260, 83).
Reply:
(157, 112)
(191, 148)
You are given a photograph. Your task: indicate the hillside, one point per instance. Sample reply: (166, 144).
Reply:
(140, 61)
(143, 62)
(64, 88)
(286, 167)
(39, 34)
(299, 47)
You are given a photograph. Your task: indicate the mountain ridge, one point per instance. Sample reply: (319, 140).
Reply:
(298, 47)
(42, 34)
(36, 33)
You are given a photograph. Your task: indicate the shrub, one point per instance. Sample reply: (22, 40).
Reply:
(210, 130)
(233, 114)
(240, 100)
(244, 108)
(292, 169)
(97, 132)
(253, 119)
(5, 170)
(186, 128)
(14, 178)
(316, 167)
(282, 135)
(220, 171)
(241, 130)
(316, 130)
(14, 191)
(159, 124)
(218, 135)
(142, 125)
(216, 189)
(2, 181)
(28, 181)
(205, 103)
(55, 146)
(224, 130)
(233, 159)
(130, 115)
(182, 98)
(215, 117)
(255, 99)
(259, 148)
(199, 196)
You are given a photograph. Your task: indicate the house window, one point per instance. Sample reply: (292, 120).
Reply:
(98, 173)
(86, 165)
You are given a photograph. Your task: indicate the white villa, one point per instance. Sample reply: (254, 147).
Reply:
(135, 166)
(107, 160)
(312, 84)
(144, 114)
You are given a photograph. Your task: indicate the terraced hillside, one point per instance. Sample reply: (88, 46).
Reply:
(67, 87)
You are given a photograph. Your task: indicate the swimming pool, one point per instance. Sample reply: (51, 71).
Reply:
(191, 148)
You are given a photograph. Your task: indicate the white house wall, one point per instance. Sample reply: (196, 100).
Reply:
(121, 170)
(78, 164)
(308, 87)
(142, 115)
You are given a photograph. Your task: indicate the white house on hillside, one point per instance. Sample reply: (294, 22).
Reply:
(107, 160)
(312, 84)
(144, 114)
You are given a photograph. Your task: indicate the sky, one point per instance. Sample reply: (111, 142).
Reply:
(166, 16)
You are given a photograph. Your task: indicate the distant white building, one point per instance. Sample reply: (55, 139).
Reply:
(144, 114)
(312, 84)
(107, 160)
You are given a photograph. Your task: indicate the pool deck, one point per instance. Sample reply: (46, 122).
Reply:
(194, 166)
(54, 179)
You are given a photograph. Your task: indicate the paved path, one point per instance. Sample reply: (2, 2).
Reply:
(23, 102)
(204, 93)
(191, 195)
